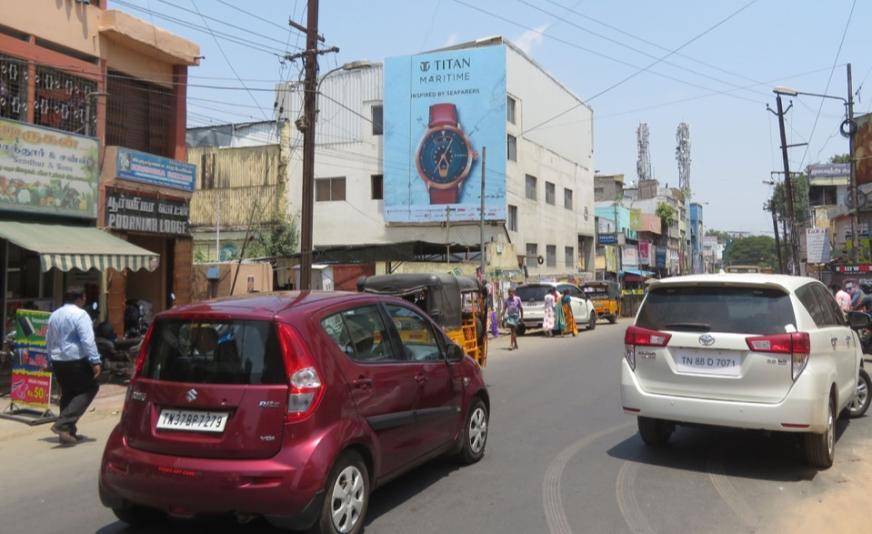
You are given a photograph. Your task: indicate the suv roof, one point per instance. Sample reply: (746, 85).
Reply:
(781, 281)
(265, 305)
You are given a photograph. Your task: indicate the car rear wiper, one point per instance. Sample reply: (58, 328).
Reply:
(694, 327)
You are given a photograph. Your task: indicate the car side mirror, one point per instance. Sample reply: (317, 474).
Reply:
(454, 353)
(859, 320)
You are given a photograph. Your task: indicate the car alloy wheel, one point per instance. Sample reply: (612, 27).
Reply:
(347, 500)
(860, 404)
(831, 431)
(477, 430)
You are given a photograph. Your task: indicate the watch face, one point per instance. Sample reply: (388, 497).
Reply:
(443, 156)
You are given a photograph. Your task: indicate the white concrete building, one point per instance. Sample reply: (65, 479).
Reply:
(549, 171)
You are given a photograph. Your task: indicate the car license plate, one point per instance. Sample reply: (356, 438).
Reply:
(191, 420)
(711, 362)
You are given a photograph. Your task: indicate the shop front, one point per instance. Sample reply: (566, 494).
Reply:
(146, 202)
(48, 207)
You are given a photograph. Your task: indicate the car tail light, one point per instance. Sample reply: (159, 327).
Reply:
(797, 344)
(642, 337)
(304, 383)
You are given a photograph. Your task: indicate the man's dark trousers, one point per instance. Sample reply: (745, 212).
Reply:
(78, 389)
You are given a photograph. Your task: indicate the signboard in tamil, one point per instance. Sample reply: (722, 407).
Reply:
(154, 170)
(129, 212)
(47, 171)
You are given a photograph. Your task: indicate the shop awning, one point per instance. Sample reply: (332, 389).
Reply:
(77, 247)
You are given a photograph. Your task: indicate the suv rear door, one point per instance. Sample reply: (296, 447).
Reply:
(707, 355)
(834, 339)
(382, 382)
(200, 371)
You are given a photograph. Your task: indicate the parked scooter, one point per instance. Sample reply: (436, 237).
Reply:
(118, 356)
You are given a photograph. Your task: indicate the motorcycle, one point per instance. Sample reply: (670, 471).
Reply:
(118, 356)
(861, 402)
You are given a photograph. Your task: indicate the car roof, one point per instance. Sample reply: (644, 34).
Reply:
(780, 281)
(265, 305)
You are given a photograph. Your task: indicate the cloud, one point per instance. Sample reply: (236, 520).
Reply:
(530, 39)
(452, 40)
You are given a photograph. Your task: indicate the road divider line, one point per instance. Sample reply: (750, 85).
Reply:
(728, 491)
(552, 500)
(625, 493)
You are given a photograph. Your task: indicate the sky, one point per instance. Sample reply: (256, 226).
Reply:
(720, 83)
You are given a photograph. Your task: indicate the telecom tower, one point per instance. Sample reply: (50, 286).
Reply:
(643, 163)
(682, 155)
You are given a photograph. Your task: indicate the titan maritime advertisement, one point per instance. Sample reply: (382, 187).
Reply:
(440, 111)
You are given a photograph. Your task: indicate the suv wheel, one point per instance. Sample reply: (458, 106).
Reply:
(654, 432)
(347, 496)
(820, 448)
(860, 404)
(474, 433)
(522, 329)
(591, 323)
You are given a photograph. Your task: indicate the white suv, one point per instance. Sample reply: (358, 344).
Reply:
(533, 298)
(748, 351)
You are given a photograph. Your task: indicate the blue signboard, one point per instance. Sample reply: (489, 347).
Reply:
(661, 258)
(441, 110)
(606, 239)
(155, 170)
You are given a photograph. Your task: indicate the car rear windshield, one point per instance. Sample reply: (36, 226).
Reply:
(215, 352)
(738, 310)
(532, 293)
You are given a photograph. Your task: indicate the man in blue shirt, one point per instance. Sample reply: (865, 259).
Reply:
(76, 363)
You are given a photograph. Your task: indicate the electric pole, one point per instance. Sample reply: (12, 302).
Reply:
(788, 188)
(306, 124)
(855, 213)
(771, 207)
(481, 214)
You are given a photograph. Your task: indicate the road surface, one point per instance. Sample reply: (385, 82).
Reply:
(561, 458)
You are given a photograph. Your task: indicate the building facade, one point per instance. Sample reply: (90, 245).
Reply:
(95, 100)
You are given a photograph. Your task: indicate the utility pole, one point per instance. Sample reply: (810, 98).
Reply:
(448, 235)
(855, 213)
(481, 213)
(306, 124)
(777, 237)
(788, 188)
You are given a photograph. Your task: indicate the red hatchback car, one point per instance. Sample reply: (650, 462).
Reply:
(292, 407)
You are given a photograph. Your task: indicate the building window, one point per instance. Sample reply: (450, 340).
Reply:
(513, 218)
(549, 193)
(330, 189)
(139, 115)
(510, 109)
(567, 198)
(377, 186)
(13, 88)
(377, 119)
(511, 148)
(551, 255)
(530, 185)
(569, 258)
(532, 255)
(64, 101)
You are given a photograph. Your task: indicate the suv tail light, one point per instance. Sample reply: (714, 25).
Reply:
(642, 337)
(304, 383)
(797, 344)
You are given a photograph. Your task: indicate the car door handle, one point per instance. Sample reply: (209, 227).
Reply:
(362, 382)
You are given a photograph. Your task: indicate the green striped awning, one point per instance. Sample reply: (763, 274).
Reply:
(77, 247)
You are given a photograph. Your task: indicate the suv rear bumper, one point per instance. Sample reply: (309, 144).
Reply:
(188, 487)
(803, 410)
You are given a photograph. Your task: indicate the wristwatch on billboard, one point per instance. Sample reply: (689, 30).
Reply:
(445, 155)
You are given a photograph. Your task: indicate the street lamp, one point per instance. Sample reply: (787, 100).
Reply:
(351, 65)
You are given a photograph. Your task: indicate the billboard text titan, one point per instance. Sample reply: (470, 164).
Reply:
(440, 110)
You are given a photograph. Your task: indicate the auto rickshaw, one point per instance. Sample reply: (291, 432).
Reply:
(606, 298)
(458, 304)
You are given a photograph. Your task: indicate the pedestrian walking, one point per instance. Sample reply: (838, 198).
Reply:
(75, 361)
(569, 319)
(559, 314)
(513, 314)
(843, 299)
(549, 317)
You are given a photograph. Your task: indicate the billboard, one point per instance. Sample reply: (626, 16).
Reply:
(441, 109)
(863, 150)
(47, 171)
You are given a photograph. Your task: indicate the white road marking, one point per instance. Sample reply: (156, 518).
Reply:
(632, 513)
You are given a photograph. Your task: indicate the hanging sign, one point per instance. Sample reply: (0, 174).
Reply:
(129, 212)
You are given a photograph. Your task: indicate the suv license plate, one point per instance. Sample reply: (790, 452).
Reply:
(191, 420)
(710, 362)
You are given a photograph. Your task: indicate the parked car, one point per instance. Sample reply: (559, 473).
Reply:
(749, 351)
(293, 407)
(533, 297)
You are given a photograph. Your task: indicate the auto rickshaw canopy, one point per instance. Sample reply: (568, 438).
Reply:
(441, 293)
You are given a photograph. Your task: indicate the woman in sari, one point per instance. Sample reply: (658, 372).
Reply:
(549, 317)
(559, 316)
(569, 320)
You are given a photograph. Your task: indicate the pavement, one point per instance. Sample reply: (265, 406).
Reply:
(562, 457)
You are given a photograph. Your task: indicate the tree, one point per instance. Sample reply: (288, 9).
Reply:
(278, 240)
(800, 200)
(841, 158)
(723, 237)
(754, 250)
(666, 213)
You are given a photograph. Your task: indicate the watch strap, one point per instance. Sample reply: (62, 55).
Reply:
(443, 196)
(443, 115)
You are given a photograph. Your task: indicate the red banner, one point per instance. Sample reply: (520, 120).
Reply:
(31, 389)
(861, 268)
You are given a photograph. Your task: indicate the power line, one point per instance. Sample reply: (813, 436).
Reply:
(829, 81)
(250, 14)
(648, 67)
